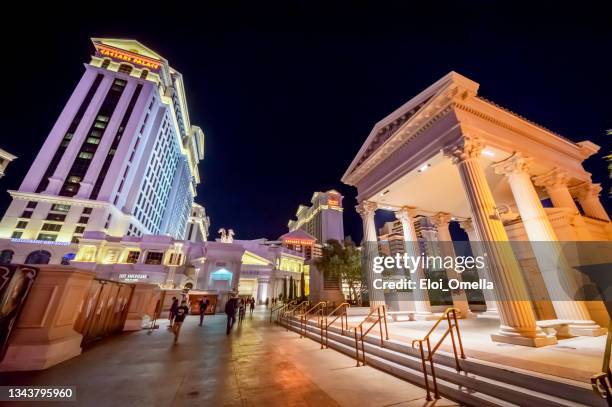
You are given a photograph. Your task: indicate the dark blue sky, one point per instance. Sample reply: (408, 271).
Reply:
(287, 95)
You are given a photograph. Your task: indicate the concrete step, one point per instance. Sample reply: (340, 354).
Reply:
(480, 383)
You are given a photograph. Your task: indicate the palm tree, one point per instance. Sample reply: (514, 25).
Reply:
(343, 261)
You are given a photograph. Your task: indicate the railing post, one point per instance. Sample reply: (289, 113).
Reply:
(385, 316)
(458, 336)
(356, 348)
(428, 398)
(363, 361)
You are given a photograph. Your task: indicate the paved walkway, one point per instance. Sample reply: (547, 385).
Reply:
(258, 365)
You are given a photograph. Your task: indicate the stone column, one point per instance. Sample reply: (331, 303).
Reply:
(370, 241)
(490, 302)
(556, 272)
(555, 182)
(421, 297)
(263, 285)
(442, 220)
(588, 196)
(517, 320)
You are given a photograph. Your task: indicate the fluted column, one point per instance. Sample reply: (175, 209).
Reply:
(367, 210)
(556, 272)
(588, 196)
(555, 182)
(442, 221)
(489, 297)
(422, 305)
(517, 320)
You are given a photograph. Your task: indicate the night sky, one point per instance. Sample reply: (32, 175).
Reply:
(287, 95)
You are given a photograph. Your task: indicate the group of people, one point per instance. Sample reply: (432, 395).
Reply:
(236, 305)
(178, 313)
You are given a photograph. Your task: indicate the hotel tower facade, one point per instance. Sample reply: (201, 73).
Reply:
(122, 158)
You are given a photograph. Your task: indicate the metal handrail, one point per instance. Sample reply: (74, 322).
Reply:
(601, 382)
(305, 317)
(290, 312)
(452, 324)
(381, 315)
(325, 323)
(279, 308)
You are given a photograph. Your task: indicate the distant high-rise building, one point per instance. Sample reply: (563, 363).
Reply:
(199, 223)
(121, 159)
(323, 219)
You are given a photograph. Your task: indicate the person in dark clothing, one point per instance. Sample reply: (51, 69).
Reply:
(173, 308)
(181, 313)
(203, 305)
(231, 307)
(241, 309)
(252, 305)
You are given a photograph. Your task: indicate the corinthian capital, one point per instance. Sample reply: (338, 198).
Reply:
(468, 147)
(406, 214)
(441, 219)
(586, 190)
(467, 225)
(366, 209)
(555, 178)
(515, 164)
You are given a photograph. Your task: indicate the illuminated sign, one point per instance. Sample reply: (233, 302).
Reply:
(128, 57)
(133, 277)
(40, 242)
(299, 241)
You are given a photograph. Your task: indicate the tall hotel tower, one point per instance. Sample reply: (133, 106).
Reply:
(121, 159)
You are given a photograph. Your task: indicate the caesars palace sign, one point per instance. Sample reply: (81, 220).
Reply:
(128, 57)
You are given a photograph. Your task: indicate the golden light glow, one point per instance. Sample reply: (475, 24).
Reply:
(128, 57)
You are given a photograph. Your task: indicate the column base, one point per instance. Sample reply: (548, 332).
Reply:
(534, 339)
(585, 328)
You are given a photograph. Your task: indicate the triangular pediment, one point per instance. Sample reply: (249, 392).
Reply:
(385, 129)
(128, 45)
(252, 259)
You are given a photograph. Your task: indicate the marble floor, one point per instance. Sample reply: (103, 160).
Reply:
(257, 365)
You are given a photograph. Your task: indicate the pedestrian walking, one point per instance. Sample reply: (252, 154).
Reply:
(181, 313)
(231, 306)
(242, 310)
(252, 305)
(267, 302)
(173, 307)
(203, 306)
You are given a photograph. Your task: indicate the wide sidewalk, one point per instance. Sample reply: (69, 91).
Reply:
(257, 365)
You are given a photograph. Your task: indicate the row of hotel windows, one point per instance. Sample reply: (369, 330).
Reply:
(125, 68)
(153, 258)
(54, 217)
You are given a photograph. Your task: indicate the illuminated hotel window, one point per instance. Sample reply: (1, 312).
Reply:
(143, 74)
(26, 214)
(75, 239)
(56, 217)
(47, 237)
(123, 68)
(22, 224)
(79, 229)
(133, 257)
(74, 179)
(105, 63)
(51, 227)
(154, 258)
(60, 208)
(16, 235)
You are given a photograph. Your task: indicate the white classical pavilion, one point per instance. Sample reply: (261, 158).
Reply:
(451, 155)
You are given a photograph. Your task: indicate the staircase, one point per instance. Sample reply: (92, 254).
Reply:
(478, 384)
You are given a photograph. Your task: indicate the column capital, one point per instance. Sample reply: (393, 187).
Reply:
(441, 219)
(587, 190)
(467, 225)
(555, 178)
(366, 209)
(517, 163)
(468, 147)
(406, 214)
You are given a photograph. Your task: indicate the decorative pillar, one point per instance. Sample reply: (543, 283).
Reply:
(517, 320)
(262, 289)
(366, 210)
(588, 196)
(442, 221)
(489, 297)
(556, 272)
(555, 182)
(421, 297)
